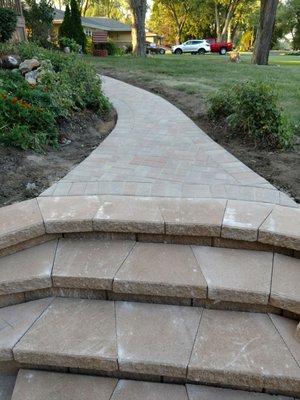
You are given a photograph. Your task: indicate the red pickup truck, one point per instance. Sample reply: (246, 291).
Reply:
(221, 48)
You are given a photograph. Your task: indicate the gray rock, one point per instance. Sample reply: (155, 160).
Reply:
(31, 77)
(9, 61)
(29, 65)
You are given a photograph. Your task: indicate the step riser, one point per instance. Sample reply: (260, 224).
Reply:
(19, 298)
(274, 386)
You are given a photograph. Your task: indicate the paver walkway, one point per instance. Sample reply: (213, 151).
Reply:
(156, 150)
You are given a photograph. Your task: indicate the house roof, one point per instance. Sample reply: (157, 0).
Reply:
(106, 24)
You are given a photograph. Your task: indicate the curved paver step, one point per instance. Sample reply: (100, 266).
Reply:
(41, 385)
(242, 350)
(157, 272)
(220, 223)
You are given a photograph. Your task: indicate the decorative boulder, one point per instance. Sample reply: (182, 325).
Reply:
(9, 62)
(30, 77)
(29, 65)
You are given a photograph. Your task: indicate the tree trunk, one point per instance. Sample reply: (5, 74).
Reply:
(218, 27)
(138, 14)
(264, 33)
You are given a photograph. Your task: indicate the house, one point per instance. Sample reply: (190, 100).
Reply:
(20, 33)
(117, 31)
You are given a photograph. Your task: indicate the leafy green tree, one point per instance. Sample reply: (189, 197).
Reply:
(38, 19)
(8, 23)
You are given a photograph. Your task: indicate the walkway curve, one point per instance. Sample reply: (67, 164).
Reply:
(155, 150)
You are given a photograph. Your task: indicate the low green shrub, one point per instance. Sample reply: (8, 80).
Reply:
(111, 47)
(28, 113)
(25, 124)
(250, 109)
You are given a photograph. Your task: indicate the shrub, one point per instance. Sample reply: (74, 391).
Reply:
(24, 124)
(67, 42)
(8, 23)
(250, 108)
(111, 47)
(28, 114)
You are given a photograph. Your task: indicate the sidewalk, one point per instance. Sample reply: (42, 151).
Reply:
(155, 150)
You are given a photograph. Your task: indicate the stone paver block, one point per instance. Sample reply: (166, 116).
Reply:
(42, 385)
(15, 321)
(297, 334)
(72, 333)
(194, 217)
(161, 270)
(243, 350)
(11, 299)
(88, 263)
(129, 214)
(236, 275)
(29, 269)
(20, 222)
(242, 219)
(133, 390)
(7, 383)
(285, 290)
(281, 228)
(287, 328)
(69, 214)
(198, 392)
(156, 339)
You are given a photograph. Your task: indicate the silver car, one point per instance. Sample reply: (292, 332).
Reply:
(195, 46)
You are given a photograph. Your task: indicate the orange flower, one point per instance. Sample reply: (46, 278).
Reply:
(28, 106)
(4, 96)
(14, 100)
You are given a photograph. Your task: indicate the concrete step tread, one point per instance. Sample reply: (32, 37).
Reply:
(42, 385)
(154, 269)
(244, 350)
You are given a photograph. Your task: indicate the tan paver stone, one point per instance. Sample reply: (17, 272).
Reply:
(42, 385)
(10, 299)
(243, 350)
(197, 392)
(129, 214)
(29, 269)
(133, 390)
(20, 222)
(161, 270)
(287, 328)
(72, 333)
(242, 219)
(236, 275)
(89, 263)
(15, 321)
(281, 228)
(297, 334)
(156, 339)
(69, 214)
(285, 290)
(7, 383)
(193, 216)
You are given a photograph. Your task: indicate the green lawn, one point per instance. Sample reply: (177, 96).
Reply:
(201, 75)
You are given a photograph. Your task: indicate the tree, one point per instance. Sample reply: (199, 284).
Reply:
(71, 26)
(262, 48)
(38, 19)
(65, 27)
(138, 10)
(8, 23)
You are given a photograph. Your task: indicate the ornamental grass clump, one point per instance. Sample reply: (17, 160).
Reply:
(250, 109)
